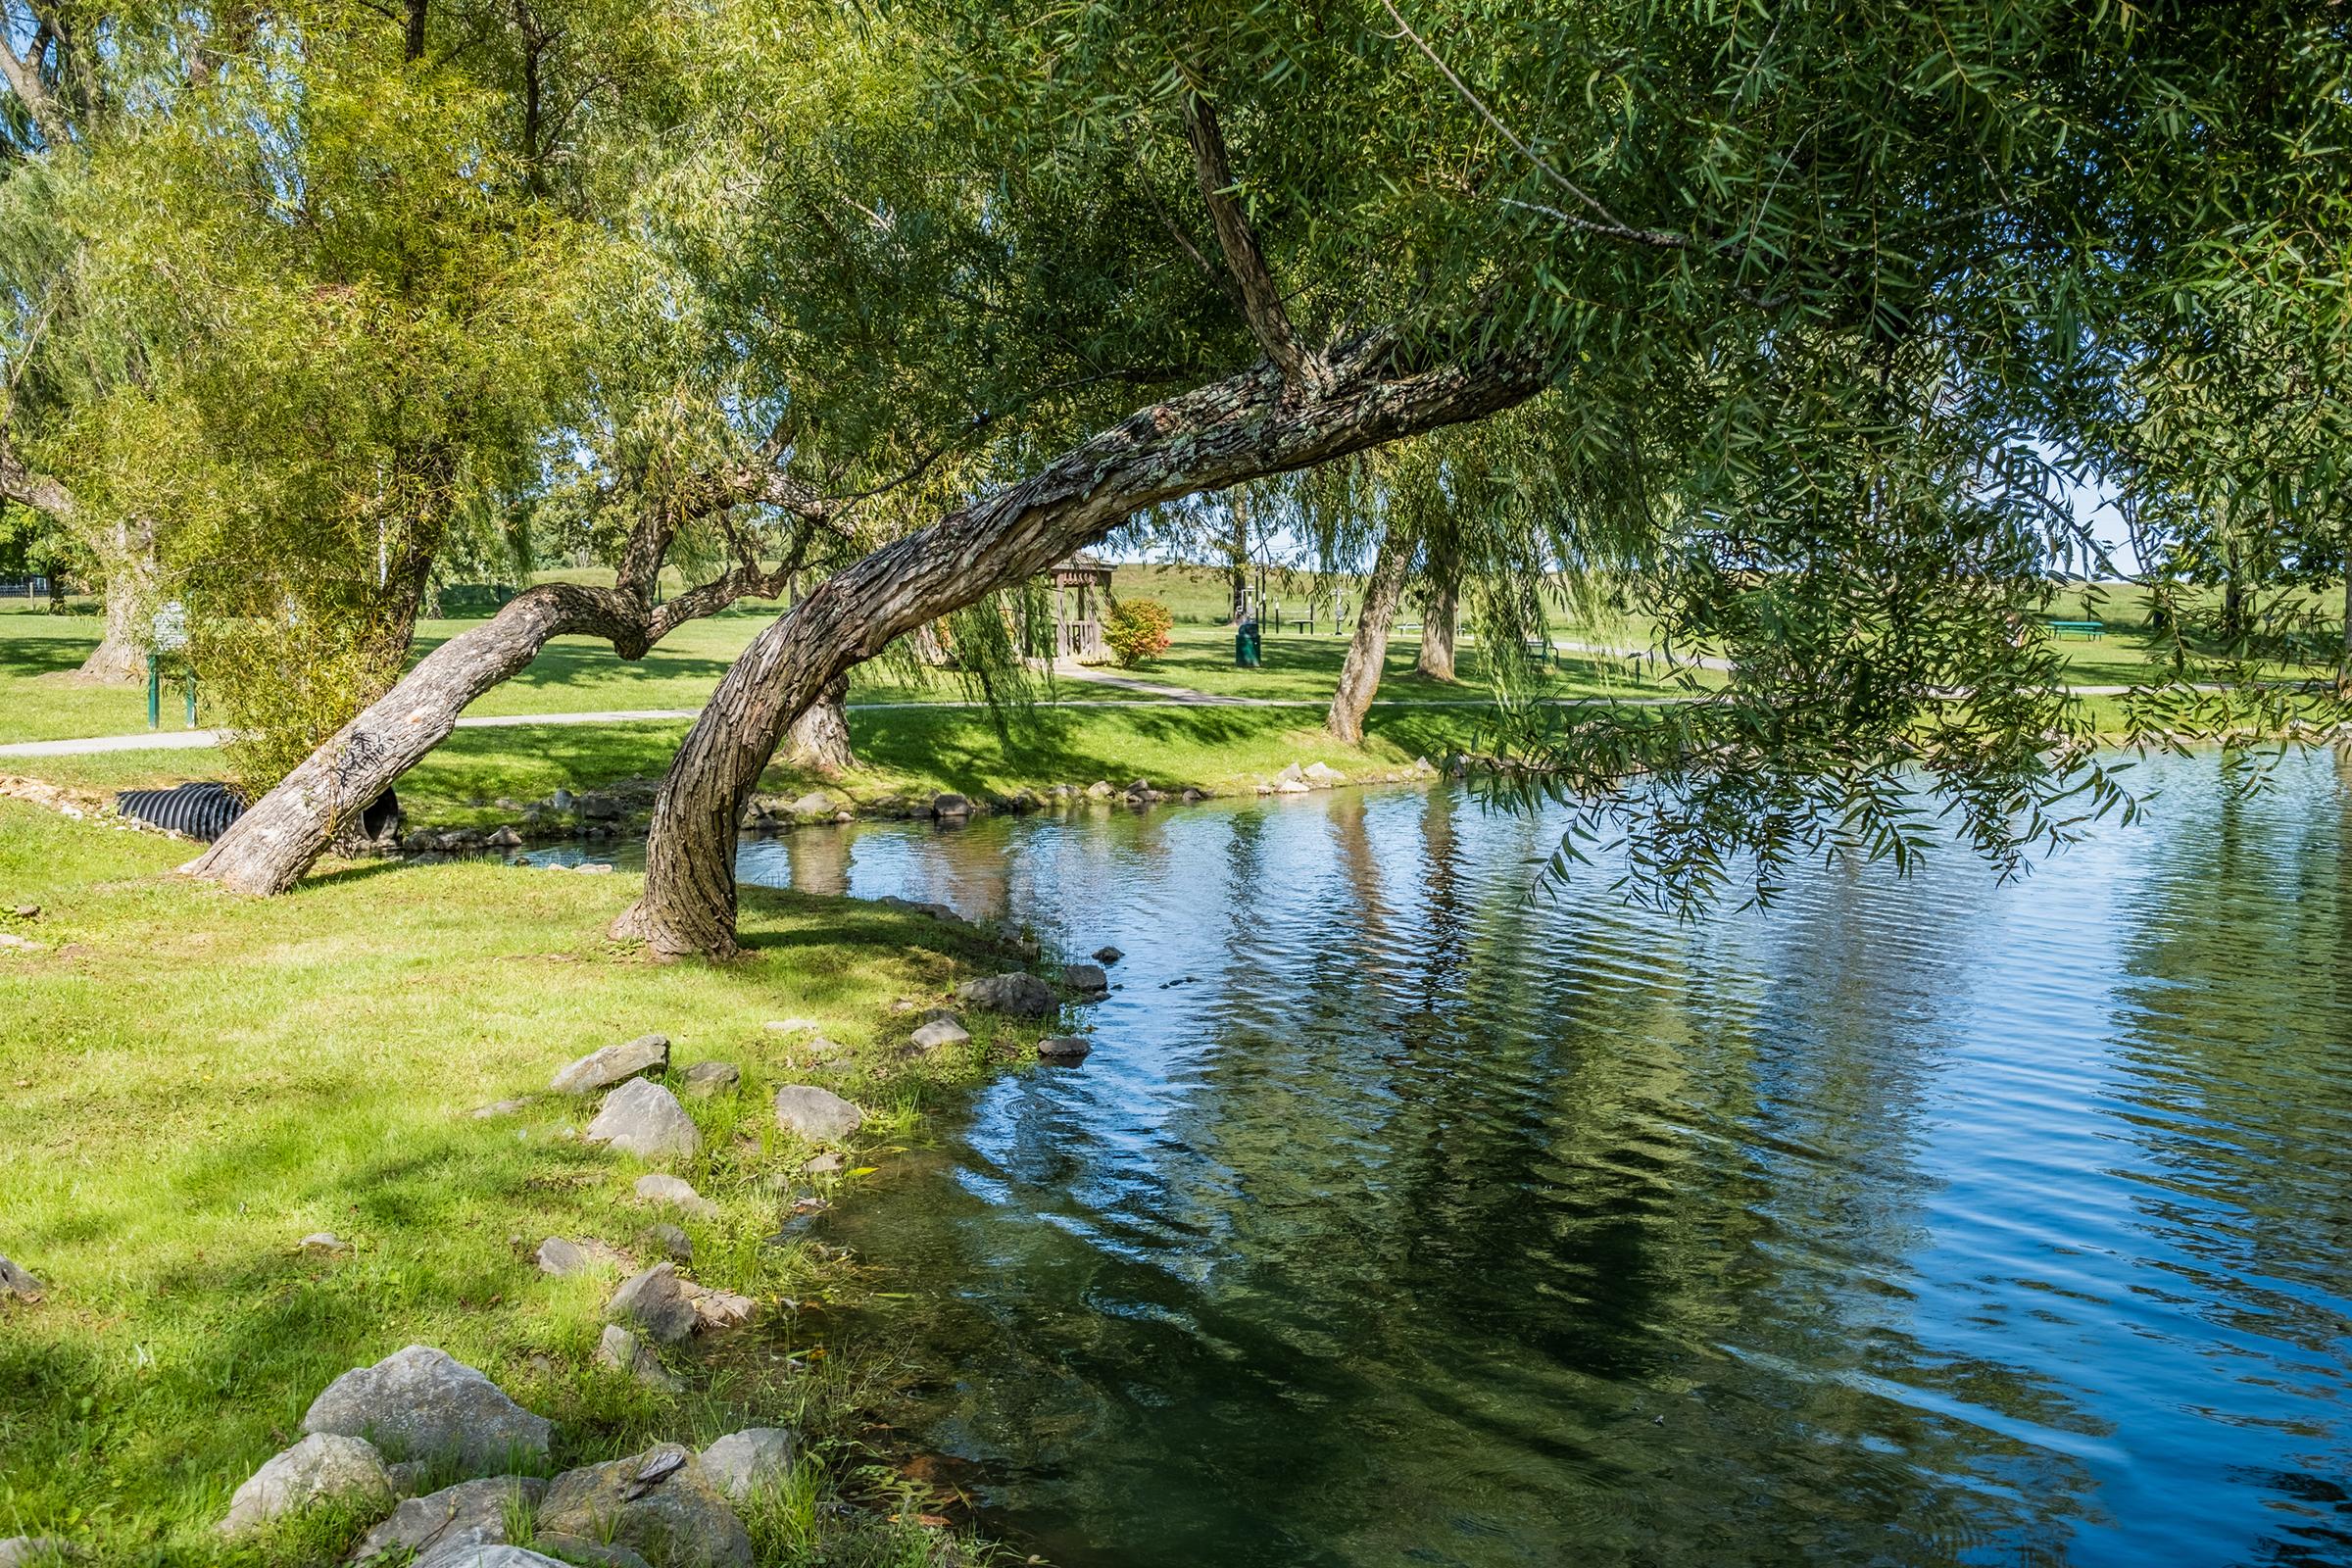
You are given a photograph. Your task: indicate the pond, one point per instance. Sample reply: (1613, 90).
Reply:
(1401, 1218)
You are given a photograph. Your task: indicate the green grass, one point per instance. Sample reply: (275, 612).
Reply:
(190, 1082)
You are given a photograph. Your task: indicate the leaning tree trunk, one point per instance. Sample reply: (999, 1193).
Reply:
(1245, 427)
(1359, 675)
(819, 739)
(1442, 606)
(2343, 669)
(268, 848)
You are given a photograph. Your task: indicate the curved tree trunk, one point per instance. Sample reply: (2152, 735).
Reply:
(1359, 675)
(268, 848)
(1252, 424)
(819, 738)
(1441, 605)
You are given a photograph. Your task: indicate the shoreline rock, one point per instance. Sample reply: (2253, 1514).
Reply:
(816, 1114)
(323, 1467)
(425, 1404)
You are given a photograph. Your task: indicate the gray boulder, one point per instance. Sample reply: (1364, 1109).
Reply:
(660, 1504)
(707, 1078)
(644, 1119)
(1107, 955)
(1063, 1048)
(323, 1467)
(563, 1258)
(499, 1107)
(941, 1032)
(602, 1069)
(15, 1282)
(816, 803)
(471, 1513)
(622, 1352)
(743, 1460)
(667, 1240)
(1087, 977)
(420, 1403)
(816, 1114)
(951, 804)
(656, 1301)
(487, 1556)
(1325, 774)
(679, 1194)
(38, 1551)
(1019, 993)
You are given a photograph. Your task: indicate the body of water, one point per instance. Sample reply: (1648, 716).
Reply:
(1400, 1218)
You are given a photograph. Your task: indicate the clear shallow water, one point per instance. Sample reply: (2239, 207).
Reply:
(1400, 1220)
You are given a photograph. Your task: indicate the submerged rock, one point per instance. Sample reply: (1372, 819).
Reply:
(324, 1466)
(471, 1513)
(1107, 955)
(422, 1403)
(614, 1064)
(816, 1114)
(662, 1504)
(644, 1119)
(1018, 992)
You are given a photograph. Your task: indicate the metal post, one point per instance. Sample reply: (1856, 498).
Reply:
(191, 699)
(155, 693)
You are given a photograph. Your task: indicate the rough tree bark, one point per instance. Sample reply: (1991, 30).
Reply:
(1359, 674)
(1247, 426)
(819, 739)
(282, 835)
(121, 656)
(1440, 604)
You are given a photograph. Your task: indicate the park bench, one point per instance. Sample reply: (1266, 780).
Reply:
(2077, 628)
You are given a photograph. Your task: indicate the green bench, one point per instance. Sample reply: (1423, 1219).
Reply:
(2077, 628)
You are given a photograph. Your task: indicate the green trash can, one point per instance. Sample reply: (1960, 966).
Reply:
(1245, 649)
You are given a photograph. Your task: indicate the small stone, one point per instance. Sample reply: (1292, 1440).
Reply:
(657, 1189)
(1324, 773)
(1290, 776)
(422, 1403)
(671, 1515)
(27, 911)
(656, 1303)
(1099, 790)
(824, 1165)
(716, 1309)
(941, 1032)
(786, 1026)
(594, 868)
(667, 1240)
(644, 1119)
(1018, 992)
(1109, 955)
(444, 1523)
(1063, 1048)
(15, 1282)
(11, 943)
(816, 803)
(1293, 786)
(707, 1078)
(324, 1466)
(1087, 977)
(741, 1462)
(816, 1114)
(499, 1107)
(563, 1258)
(505, 837)
(951, 804)
(614, 1065)
(323, 1243)
(622, 1352)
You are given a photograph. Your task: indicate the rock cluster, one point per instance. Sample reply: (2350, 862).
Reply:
(667, 1508)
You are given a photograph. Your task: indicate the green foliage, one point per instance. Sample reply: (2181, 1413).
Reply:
(1138, 630)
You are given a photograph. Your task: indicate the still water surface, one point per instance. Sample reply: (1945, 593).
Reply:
(1399, 1219)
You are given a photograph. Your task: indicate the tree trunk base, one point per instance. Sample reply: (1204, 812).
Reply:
(115, 662)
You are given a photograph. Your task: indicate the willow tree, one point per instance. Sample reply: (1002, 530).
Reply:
(1415, 221)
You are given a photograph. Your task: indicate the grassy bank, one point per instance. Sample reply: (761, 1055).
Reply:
(190, 1083)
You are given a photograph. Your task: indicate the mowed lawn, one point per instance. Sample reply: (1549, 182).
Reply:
(191, 1081)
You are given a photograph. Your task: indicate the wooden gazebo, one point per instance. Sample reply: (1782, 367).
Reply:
(1081, 587)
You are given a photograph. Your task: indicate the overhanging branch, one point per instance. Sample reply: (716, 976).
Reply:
(1262, 299)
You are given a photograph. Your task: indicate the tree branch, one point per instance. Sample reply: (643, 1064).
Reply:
(22, 485)
(1262, 299)
(1610, 225)
(24, 76)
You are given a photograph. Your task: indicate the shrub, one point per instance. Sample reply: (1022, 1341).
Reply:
(1138, 630)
